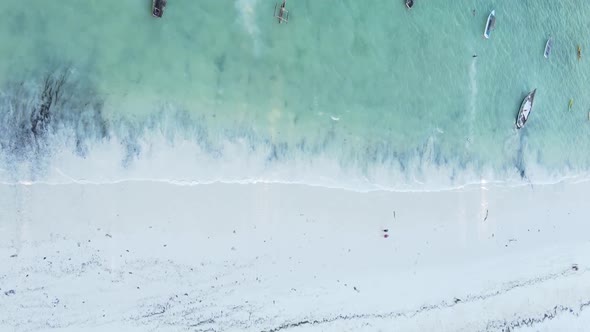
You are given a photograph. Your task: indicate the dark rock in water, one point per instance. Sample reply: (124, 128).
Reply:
(10, 292)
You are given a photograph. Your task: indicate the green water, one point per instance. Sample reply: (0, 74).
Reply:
(360, 83)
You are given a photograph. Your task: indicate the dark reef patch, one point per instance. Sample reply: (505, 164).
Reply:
(35, 114)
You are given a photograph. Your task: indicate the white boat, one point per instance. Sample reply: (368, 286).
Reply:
(490, 24)
(548, 47)
(525, 109)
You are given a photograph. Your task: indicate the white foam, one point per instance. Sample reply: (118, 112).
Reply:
(184, 162)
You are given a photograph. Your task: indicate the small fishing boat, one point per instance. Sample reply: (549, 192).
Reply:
(282, 14)
(158, 8)
(579, 53)
(548, 47)
(490, 24)
(409, 4)
(525, 109)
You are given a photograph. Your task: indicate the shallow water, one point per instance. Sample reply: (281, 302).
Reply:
(345, 94)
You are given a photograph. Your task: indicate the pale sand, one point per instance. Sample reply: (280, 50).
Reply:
(258, 257)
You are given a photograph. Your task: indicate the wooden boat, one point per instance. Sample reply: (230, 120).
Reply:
(490, 24)
(409, 4)
(548, 47)
(282, 14)
(579, 53)
(525, 109)
(158, 8)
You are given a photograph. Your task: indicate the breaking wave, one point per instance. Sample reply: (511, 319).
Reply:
(54, 130)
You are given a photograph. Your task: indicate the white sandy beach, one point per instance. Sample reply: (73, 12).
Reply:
(147, 256)
(214, 170)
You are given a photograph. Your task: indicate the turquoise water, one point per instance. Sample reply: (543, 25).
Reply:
(368, 95)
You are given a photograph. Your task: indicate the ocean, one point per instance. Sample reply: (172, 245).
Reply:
(349, 94)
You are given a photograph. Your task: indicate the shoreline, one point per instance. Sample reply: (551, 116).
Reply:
(470, 186)
(267, 256)
(80, 142)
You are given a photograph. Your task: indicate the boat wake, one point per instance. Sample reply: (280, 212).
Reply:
(472, 100)
(247, 13)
